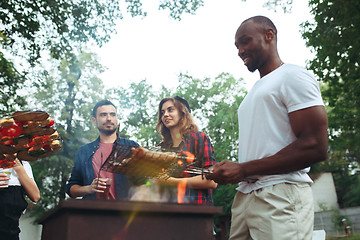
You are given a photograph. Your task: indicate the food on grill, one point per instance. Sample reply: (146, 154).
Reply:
(7, 149)
(25, 156)
(6, 122)
(147, 163)
(38, 130)
(22, 143)
(30, 115)
(54, 136)
(55, 145)
(28, 135)
(10, 156)
(46, 123)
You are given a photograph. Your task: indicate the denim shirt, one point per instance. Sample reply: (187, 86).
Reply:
(83, 173)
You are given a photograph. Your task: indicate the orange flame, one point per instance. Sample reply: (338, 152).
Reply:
(181, 187)
(189, 157)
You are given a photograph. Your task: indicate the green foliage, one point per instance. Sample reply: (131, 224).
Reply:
(224, 196)
(51, 175)
(10, 83)
(139, 103)
(285, 5)
(177, 8)
(337, 64)
(333, 37)
(338, 220)
(57, 28)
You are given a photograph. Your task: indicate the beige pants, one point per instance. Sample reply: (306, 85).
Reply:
(283, 211)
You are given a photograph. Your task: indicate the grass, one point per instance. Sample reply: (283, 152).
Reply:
(354, 237)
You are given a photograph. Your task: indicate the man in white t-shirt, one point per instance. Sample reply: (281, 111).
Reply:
(282, 132)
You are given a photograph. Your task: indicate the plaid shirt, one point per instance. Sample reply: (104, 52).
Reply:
(198, 144)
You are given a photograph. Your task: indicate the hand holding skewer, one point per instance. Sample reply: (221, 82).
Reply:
(226, 172)
(99, 185)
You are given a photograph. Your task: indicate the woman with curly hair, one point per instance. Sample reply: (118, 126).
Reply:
(181, 134)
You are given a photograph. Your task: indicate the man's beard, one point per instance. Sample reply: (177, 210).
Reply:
(107, 132)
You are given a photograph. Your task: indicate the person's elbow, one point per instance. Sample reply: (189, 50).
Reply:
(322, 154)
(35, 197)
(213, 184)
(320, 147)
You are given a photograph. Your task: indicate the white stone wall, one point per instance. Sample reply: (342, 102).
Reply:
(29, 231)
(324, 192)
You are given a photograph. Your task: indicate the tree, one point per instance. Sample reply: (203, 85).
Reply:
(10, 84)
(139, 102)
(333, 37)
(33, 29)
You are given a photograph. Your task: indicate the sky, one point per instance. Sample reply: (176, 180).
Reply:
(158, 48)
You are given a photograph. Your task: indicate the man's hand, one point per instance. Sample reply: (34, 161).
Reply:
(98, 185)
(226, 172)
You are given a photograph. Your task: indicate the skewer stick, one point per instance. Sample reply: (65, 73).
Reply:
(198, 171)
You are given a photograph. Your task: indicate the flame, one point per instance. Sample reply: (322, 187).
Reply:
(181, 188)
(189, 157)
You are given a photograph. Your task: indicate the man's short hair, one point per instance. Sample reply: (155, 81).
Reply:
(263, 21)
(99, 104)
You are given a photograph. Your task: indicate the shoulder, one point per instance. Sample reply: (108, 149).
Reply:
(300, 89)
(163, 144)
(288, 67)
(89, 147)
(295, 72)
(296, 79)
(127, 141)
(198, 135)
(25, 163)
(27, 168)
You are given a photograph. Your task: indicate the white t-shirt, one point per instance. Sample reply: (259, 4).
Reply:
(264, 126)
(14, 180)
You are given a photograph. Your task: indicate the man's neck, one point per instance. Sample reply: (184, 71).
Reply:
(108, 138)
(273, 63)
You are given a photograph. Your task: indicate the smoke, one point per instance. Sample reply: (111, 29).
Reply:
(149, 192)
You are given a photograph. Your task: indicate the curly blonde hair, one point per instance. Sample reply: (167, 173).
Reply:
(186, 121)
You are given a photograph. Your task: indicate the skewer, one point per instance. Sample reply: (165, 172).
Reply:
(198, 171)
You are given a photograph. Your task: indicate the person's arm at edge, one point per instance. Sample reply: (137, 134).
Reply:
(309, 126)
(195, 182)
(28, 183)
